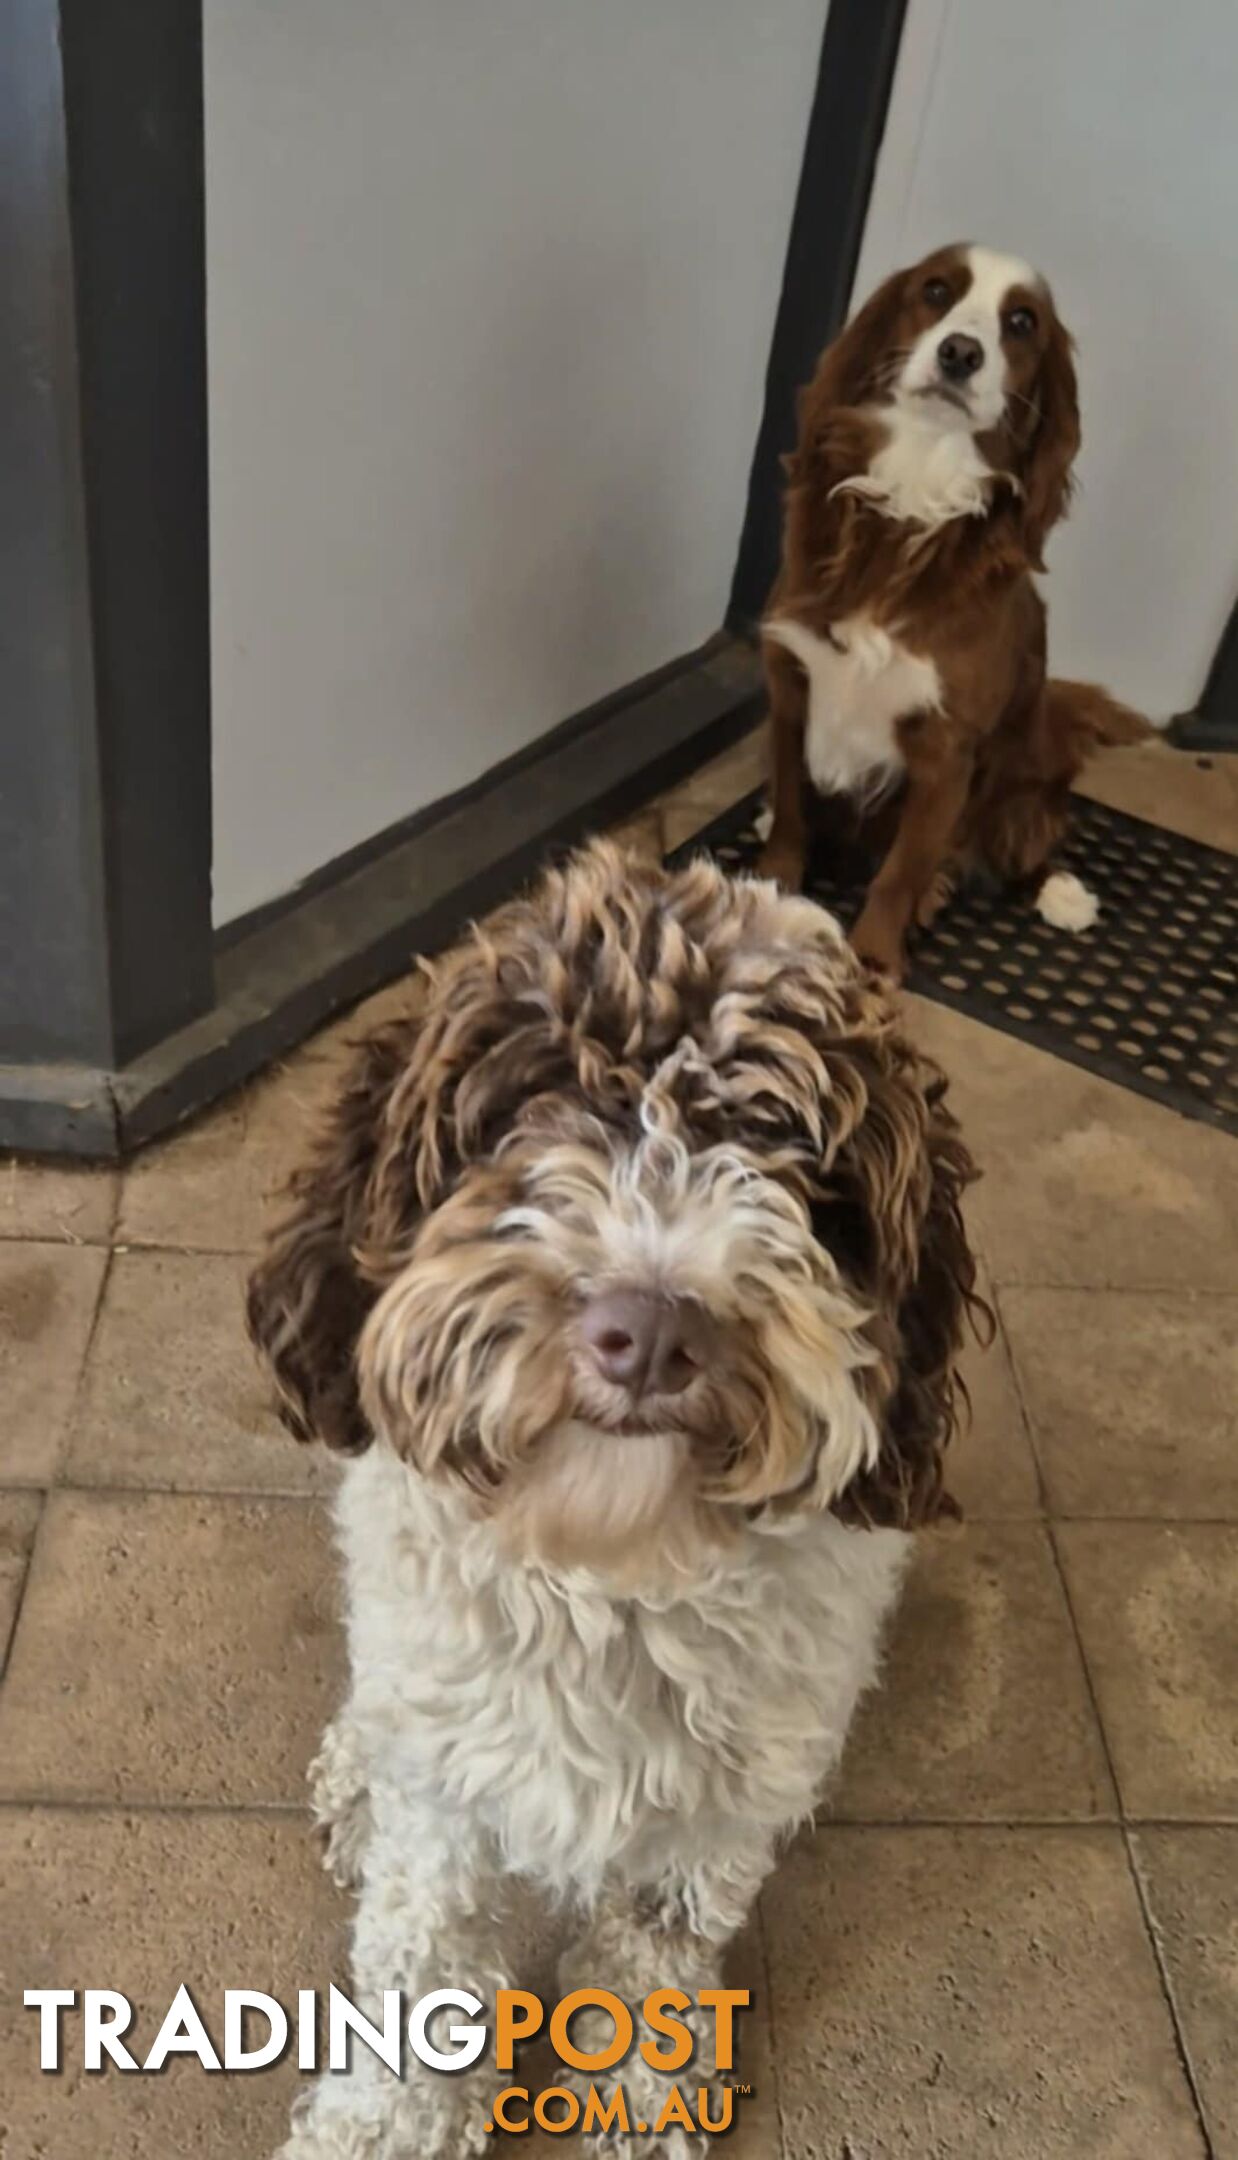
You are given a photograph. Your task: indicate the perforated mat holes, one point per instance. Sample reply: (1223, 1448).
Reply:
(1148, 997)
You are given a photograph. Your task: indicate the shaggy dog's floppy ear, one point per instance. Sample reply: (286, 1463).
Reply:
(310, 1292)
(1044, 468)
(426, 1094)
(893, 1220)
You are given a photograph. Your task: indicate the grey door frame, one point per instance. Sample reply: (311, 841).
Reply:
(104, 599)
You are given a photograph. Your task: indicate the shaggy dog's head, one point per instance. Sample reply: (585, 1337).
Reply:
(645, 1223)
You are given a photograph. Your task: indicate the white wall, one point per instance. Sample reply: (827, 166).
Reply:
(1099, 138)
(491, 285)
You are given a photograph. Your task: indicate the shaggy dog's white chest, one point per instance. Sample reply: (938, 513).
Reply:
(861, 683)
(587, 1730)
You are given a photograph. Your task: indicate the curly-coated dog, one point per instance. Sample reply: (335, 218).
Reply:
(629, 1274)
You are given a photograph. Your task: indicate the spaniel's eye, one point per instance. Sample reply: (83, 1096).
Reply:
(1019, 322)
(937, 292)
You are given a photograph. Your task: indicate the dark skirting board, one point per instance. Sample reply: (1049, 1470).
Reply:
(1148, 997)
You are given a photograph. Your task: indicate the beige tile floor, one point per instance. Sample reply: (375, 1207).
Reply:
(1014, 1936)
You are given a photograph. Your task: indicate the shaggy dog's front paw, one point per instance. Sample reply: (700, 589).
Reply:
(340, 1801)
(362, 2118)
(634, 2133)
(344, 1842)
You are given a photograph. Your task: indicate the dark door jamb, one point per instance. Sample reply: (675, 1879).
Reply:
(1214, 723)
(845, 127)
(105, 912)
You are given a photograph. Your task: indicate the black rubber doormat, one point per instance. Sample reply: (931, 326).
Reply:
(1148, 997)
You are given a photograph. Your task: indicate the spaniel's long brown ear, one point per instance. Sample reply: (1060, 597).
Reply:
(1053, 445)
(308, 1296)
(848, 372)
(896, 1224)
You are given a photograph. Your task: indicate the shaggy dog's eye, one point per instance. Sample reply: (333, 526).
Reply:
(1019, 322)
(937, 292)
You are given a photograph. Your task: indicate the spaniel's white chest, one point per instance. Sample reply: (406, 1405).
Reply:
(861, 683)
(927, 472)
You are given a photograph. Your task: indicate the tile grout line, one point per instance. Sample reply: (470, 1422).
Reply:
(1047, 1513)
(117, 1200)
(135, 1243)
(823, 1820)
(976, 1517)
(44, 1490)
(1089, 1682)
(1181, 2048)
(1145, 1521)
(1025, 1415)
(91, 1333)
(103, 1243)
(763, 1939)
(1176, 1288)
(1031, 1825)
(1004, 1823)
(7, 1646)
(127, 1246)
(1167, 1989)
(148, 1491)
(14, 1803)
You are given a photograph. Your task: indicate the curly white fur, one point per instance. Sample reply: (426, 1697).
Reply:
(639, 1754)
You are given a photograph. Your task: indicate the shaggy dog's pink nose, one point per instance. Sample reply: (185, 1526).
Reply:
(647, 1344)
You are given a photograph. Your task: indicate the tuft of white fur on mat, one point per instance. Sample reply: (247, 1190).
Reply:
(1065, 902)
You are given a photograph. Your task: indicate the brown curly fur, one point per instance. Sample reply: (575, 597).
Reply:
(553, 1017)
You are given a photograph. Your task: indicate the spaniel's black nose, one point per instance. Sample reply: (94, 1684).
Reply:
(647, 1344)
(958, 357)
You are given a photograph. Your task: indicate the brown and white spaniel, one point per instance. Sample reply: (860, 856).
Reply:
(904, 643)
